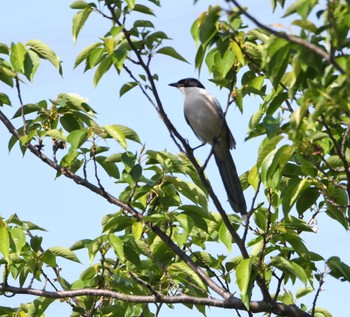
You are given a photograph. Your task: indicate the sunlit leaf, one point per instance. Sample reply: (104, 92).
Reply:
(167, 50)
(64, 253)
(46, 53)
(79, 20)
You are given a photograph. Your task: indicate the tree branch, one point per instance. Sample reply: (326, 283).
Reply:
(230, 303)
(113, 200)
(292, 39)
(174, 133)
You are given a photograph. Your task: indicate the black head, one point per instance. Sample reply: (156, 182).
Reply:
(188, 82)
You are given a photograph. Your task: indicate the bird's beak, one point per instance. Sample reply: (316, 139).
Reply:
(175, 85)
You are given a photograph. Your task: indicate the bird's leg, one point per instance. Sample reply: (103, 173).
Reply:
(208, 158)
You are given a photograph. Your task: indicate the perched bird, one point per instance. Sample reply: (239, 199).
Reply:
(204, 115)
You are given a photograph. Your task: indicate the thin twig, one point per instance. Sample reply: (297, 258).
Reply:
(291, 38)
(19, 94)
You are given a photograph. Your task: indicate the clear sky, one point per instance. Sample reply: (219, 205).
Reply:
(69, 212)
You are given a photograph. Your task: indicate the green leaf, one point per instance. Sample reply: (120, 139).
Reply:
(110, 168)
(4, 99)
(185, 222)
(274, 164)
(208, 27)
(289, 267)
(254, 177)
(143, 24)
(237, 51)
(307, 198)
(117, 245)
(79, 20)
(49, 258)
(243, 275)
(223, 63)
(38, 306)
(301, 292)
(19, 238)
(79, 5)
(102, 68)
(279, 52)
(302, 7)
(143, 9)
(120, 133)
(137, 230)
(18, 53)
(225, 236)
(321, 312)
(4, 49)
(64, 253)
(180, 269)
(46, 53)
(7, 75)
(77, 138)
(339, 269)
(85, 53)
(130, 3)
(126, 87)
(31, 64)
(56, 135)
(168, 50)
(4, 240)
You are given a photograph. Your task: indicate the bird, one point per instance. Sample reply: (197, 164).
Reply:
(206, 118)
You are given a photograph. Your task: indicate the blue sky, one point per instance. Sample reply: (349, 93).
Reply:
(69, 212)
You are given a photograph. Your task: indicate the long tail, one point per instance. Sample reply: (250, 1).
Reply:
(231, 181)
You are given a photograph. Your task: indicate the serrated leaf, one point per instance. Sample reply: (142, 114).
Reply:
(117, 245)
(168, 50)
(46, 53)
(110, 167)
(65, 253)
(79, 20)
(31, 64)
(17, 56)
(243, 274)
(84, 54)
(225, 236)
(4, 240)
(175, 269)
(289, 267)
(102, 68)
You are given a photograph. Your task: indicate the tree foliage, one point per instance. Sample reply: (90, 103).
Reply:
(154, 249)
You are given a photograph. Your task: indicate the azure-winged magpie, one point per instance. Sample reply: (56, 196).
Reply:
(204, 115)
